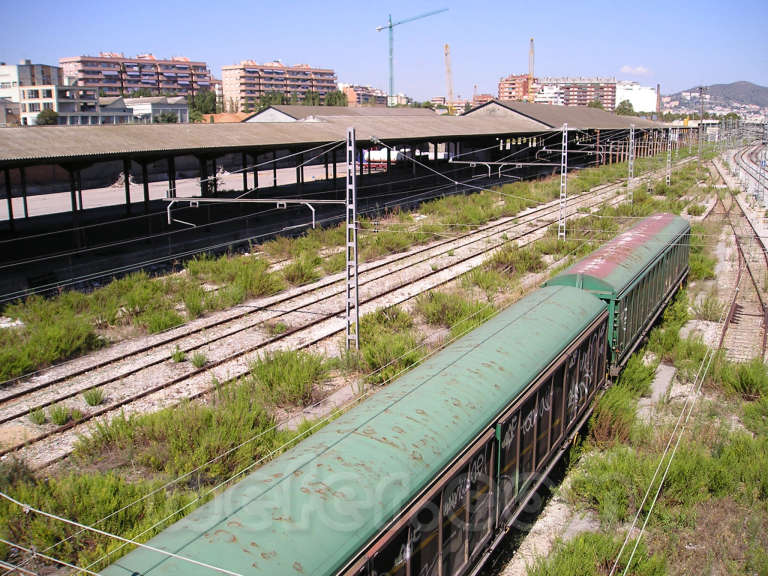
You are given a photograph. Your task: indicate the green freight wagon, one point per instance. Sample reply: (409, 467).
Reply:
(421, 478)
(636, 274)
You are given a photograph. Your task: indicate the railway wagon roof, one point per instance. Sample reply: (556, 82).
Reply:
(314, 507)
(612, 268)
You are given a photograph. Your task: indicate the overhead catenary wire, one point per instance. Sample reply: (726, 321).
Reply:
(43, 556)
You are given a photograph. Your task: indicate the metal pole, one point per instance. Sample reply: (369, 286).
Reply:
(563, 184)
(353, 311)
(9, 197)
(127, 184)
(23, 178)
(631, 161)
(391, 99)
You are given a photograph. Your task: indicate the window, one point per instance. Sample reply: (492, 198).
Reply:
(480, 470)
(509, 434)
(557, 404)
(47, 105)
(527, 437)
(34, 107)
(425, 539)
(543, 414)
(47, 93)
(392, 560)
(454, 519)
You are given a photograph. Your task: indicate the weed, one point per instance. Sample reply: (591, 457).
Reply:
(94, 396)
(389, 343)
(696, 209)
(37, 416)
(749, 380)
(755, 416)
(636, 376)
(613, 417)
(288, 376)
(59, 414)
(590, 554)
(515, 260)
(178, 355)
(488, 280)
(709, 308)
(160, 319)
(199, 360)
(453, 311)
(76, 414)
(277, 328)
(334, 263)
(303, 269)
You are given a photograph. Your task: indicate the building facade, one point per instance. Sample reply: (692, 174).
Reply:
(244, 84)
(9, 113)
(514, 87)
(74, 105)
(578, 91)
(112, 74)
(152, 109)
(14, 76)
(642, 98)
(363, 95)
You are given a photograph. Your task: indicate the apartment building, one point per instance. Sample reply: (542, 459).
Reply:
(363, 95)
(14, 76)
(642, 98)
(112, 74)
(579, 91)
(75, 106)
(514, 87)
(245, 83)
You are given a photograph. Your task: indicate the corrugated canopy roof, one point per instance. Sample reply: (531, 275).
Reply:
(313, 508)
(554, 116)
(299, 112)
(70, 143)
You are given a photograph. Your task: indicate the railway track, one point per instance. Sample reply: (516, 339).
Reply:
(143, 377)
(745, 332)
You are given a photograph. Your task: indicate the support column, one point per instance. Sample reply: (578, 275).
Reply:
(274, 169)
(244, 162)
(325, 161)
(172, 176)
(23, 178)
(255, 170)
(79, 190)
(203, 162)
(145, 184)
(335, 184)
(299, 179)
(72, 195)
(597, 149)
(9, 198)
(127, 185)
(214, 179)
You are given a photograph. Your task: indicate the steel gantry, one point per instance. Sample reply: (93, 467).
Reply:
(563, 184)
(668, 179)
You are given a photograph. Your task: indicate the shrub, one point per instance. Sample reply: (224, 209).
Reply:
(334, 262)
(59, 414)
(750, 380)
(453, 311)
(37, 416)
(178, 355)
(94, 396)
(488, 280)
(613, 416)
(592, 554)
(160, 319)
(709, 308)
(303, 269)
(288, 376)
(199, 360)
(389, 343)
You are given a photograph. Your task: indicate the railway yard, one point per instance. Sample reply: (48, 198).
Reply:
(542, 387)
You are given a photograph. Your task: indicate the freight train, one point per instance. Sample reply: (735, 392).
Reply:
(427, 476)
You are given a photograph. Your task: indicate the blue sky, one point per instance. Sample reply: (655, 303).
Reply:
(677, 43)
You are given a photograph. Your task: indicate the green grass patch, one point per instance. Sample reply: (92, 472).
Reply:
(749, 380)
(487, 279)
(389, 344)
(287, 377)
(709, 308)
(38, 416)
(613, 417)
(592, 554)
(755, 416)
(94, 396)
(178, 355)
(453, 310)
(199, 360)
(59, 414)
(303, 269)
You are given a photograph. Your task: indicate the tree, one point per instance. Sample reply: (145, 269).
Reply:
(467, 107)
(47, 118)
(625, 108)
(271, 99)
(311, 98)
(596, 104)
(336, 98)
(168, 118)
(141, 93)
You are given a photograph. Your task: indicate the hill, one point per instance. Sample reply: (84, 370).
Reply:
(735, 93)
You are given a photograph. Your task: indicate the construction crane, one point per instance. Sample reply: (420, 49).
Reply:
(530, 73)
(389, 26)
(449, 78)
